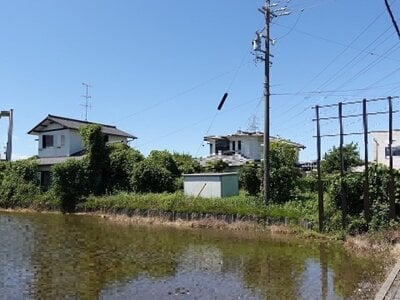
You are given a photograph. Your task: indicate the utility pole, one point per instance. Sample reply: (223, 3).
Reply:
(87, 98)
(9, 114)
(269, 11)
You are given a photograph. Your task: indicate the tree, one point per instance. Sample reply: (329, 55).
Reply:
(98, 163)
(123, 161)
(164, 159)
(18, 183)
(249, 178)
(186, 163)
(331, 161)
(216, 166)
(150, 177)
(70, 181)
(284, 173)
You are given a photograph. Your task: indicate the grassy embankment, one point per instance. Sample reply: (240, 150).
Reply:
(239, 213)
(175, 206)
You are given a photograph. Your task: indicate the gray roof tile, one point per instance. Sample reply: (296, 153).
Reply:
(76, 124)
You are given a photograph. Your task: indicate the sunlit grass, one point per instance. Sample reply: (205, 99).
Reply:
(240, 206)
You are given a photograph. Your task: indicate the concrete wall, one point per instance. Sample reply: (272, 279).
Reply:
(251, 146)
(211, 185)
(380, 140)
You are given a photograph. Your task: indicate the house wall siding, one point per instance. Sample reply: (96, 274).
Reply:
(57, 150)
(75, 142)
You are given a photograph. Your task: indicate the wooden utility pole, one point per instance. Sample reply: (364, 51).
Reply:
(367, 213)
(392, 205)
(320, 187)
(269, 13)
(267, 161)
(343, 193)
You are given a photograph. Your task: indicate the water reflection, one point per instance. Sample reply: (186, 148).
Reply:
(56, 256)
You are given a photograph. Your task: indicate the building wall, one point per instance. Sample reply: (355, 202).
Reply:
(75, 142)
(66, 142)
(60, 142)
(202, 186)
(211, 185)
(380, 141)
(251, 146)
(230, 185)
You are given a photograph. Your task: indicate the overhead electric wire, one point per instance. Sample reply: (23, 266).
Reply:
(184, 92)
(368, 67)
(224, 98)
(336, 91)
(335, 58)
(353, 61)
(335, 42)
(201, 121)
(291, 28)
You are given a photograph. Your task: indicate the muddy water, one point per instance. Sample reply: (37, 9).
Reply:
(46, 256)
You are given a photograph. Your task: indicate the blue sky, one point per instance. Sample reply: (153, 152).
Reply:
(159, 68)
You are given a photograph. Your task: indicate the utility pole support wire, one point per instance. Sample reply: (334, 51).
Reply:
(392, 17)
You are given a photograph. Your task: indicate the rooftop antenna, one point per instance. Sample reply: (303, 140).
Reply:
(87, 98)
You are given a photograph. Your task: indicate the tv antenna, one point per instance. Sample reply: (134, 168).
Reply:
(87, 97)
(253, 124)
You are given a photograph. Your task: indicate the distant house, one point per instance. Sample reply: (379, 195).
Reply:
(241, 147)
(59, 140)
(380, 148)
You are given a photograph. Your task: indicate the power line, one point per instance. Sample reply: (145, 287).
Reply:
(201, 121)
(317, 92)
(184, 92)
(353, 61)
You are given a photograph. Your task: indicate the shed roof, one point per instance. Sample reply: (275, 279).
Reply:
(76, 124)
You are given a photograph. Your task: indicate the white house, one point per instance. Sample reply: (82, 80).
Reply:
(380, 148)
(241, 147)
(59, 140)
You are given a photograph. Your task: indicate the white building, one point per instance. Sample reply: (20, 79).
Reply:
(59, 140)
(241, 147)
(380, 148)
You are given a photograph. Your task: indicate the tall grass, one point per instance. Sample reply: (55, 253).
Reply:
(240, 206)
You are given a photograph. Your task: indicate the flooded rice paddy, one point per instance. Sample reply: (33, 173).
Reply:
(54, 256)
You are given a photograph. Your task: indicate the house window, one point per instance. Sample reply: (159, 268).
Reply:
(395, 151)
(48, 141)
(106, 138)
(233, 146)
(62, 140)
(239, 146)
(221, 145)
